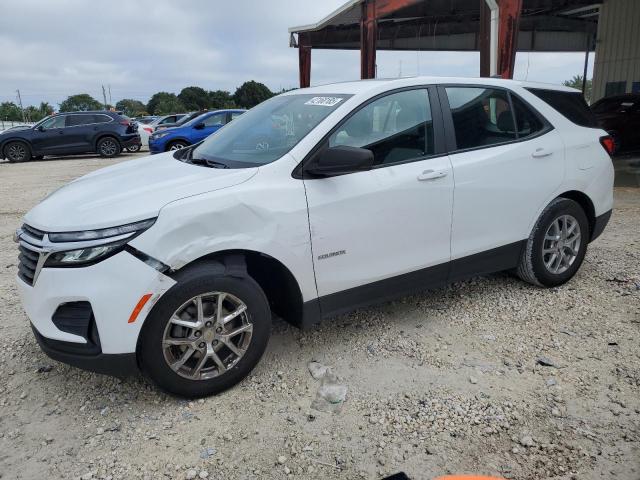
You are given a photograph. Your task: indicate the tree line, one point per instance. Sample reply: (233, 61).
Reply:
(247, 95)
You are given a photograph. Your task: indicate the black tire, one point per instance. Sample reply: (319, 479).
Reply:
(532, 266)
(134, 148)
(17, 152)
(177, 145)
(197, 280)
(108, 147)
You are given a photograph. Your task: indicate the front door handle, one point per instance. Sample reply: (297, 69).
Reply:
(431, 175)
(541, 152)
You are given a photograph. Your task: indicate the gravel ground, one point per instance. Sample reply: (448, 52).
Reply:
(489, 376)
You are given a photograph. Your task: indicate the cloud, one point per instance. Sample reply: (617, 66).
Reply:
(52, 49)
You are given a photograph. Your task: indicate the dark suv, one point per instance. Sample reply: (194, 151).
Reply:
(620, 116)
(102, 132)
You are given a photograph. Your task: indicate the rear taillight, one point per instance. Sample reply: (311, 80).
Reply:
(608, 144)
(125, 122)
(148, 129)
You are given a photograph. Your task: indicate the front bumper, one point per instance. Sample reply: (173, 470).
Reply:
(112, 287)
(117, 364)
(157, 146)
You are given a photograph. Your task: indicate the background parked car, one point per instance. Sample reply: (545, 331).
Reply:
(144, 131)
(192, 131)
(167, 121)
(102, 132)
(146, 120)
(620, 116)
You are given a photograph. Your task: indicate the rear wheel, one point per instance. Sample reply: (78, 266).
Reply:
(134, 148)
(206, 333)
(17, 152)
(557, 245)
(177, 145)
(108, 147)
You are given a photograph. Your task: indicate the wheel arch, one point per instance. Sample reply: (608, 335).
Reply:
(15, 139)
(274, 277)
(168, 143)
(587, 205)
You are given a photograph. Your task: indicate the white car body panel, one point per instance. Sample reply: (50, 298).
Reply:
(266, 214)
(504, 179)
(127, 192)
(373, 225)
(386, 221)
(145, 132)
(116, 286)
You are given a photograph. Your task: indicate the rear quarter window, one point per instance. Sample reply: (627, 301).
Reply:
(571, 105)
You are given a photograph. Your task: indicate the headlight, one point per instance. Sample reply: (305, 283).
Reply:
(85, 235)
(156, 136)
(84, 256)
(91, 246)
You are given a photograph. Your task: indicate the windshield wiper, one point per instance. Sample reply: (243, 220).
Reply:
(208, 163)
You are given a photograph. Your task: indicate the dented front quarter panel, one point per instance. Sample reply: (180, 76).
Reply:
(266, 214)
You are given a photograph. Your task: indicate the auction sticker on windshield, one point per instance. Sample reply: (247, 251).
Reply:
(324, 101)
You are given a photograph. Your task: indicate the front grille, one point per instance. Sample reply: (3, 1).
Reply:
(27, 262)
(33, 232)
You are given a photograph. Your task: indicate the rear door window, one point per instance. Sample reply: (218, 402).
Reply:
(481, 116)
(527, 122)
(79, 119)
(100, 118)
(571, 105)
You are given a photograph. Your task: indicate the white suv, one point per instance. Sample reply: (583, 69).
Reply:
(313, 203)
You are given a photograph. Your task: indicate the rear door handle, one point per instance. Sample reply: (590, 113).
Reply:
(541, 152)
(431, 175)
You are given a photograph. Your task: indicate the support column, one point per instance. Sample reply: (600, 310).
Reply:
(304, 61)
(484, 39)
(368, 36)
(509, 26)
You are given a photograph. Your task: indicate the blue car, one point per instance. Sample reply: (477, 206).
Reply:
(191, 132)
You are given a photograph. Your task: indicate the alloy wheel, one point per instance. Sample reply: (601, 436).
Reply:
(108, 147)
(176, 146)
(207, 335)
(561, 244)
(16, 152)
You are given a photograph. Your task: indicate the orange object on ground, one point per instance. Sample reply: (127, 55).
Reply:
(139, 306)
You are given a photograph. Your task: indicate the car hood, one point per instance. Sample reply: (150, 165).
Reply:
(128, 192)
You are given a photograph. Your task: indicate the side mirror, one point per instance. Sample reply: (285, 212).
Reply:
(41, 128)
(340, 161)
(199, 126)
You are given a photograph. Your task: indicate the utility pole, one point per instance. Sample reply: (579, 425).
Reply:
(20, 103)
(110, 102)
(104, 97)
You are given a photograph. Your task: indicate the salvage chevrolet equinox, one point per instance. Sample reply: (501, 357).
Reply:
(358, 192)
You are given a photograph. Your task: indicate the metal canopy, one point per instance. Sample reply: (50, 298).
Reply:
(453, 25)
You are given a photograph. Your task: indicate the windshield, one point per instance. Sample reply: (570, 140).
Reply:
(269, 130)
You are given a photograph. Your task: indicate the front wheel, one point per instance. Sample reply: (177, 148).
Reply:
(134, 148)
(557, 245)
(17, 152)
(108, 147)
(206, 333)
(177, 145)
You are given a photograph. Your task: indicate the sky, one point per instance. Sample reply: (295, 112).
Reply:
(52, 49)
